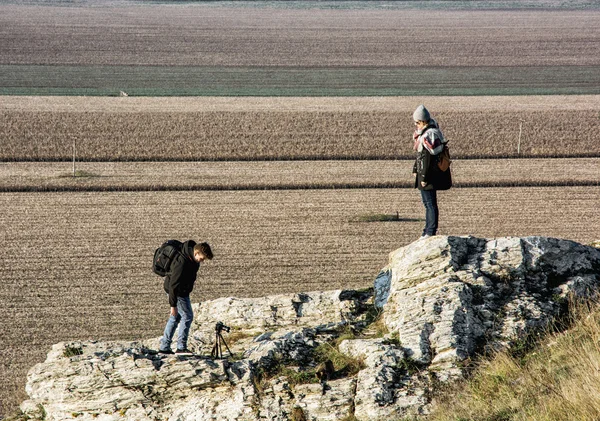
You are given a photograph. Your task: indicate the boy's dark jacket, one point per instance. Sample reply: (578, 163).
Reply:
(179, 282)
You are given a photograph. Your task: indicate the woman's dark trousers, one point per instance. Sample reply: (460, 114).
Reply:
(431, 211)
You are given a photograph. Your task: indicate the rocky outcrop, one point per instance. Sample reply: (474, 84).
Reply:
(370, 354)
(451, 297)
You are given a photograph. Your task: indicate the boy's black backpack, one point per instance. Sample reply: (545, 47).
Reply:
(164, 255)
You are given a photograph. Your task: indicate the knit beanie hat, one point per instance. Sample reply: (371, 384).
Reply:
(421, 114)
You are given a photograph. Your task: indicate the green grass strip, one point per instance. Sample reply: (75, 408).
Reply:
(285, 81)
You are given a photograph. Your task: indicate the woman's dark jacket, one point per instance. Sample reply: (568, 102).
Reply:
(426, 164)
(179, 282)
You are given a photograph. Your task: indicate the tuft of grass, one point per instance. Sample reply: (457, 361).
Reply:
(297, 414)
(346, 333)
(559, 379)
(79, 174)
(296, 377)
(384, 217)
(238, 335)
(20, 416)
(411, 366)
(344, 365)
(72, 351)
(376, 325)
(378, 217)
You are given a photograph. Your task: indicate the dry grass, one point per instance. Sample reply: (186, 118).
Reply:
(558, 381)
(292, 128)
(76, 265)
(257, 175)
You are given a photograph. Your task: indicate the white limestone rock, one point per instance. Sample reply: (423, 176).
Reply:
(250, 318)
(443, 300)
(120, 380)
(450, 297)
(383, 389)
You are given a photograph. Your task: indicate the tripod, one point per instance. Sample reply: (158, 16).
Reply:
(217, 350)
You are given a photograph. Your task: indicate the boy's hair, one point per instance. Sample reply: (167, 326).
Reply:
(204, 248)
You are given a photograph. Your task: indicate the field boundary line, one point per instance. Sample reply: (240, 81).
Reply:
(303, 158)
(285, 187)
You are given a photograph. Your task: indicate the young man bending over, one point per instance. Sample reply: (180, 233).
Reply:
(179, 283)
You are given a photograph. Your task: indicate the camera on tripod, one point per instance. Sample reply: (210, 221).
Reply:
(221, 327)
(217, 351)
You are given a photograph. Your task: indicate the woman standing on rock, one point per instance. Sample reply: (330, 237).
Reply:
(429, 178)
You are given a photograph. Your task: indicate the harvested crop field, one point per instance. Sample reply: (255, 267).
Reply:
(192, 129)
(285, 175)
(206, 48)
(76, 261)
(77, 265)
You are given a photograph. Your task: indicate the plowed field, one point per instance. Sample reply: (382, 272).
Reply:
(352, 48)
(284, 175)
(77, 265)
(134, 129)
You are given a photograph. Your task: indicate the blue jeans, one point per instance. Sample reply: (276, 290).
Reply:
(185, 315)
(432, 213)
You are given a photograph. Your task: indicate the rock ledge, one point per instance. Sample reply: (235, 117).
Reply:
(440, 301)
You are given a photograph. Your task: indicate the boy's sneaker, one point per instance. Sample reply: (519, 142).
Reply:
(165, 351)
(183, 352)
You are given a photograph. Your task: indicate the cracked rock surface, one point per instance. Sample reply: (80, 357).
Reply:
(450, 297)
(441, 300)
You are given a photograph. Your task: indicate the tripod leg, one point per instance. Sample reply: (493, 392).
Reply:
(215, 350)
(221, 342)
(226, 346)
